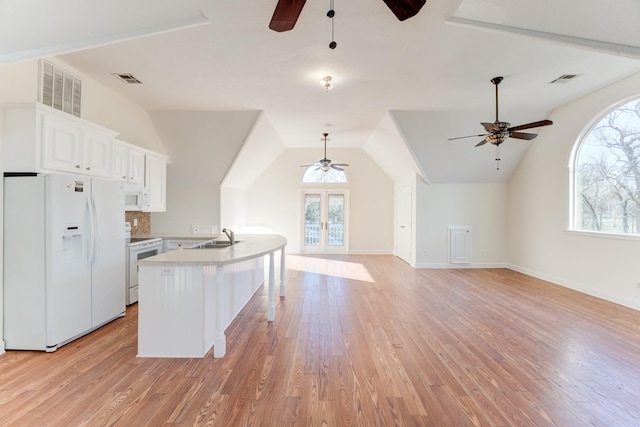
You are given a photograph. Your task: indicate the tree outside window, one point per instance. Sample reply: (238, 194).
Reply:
(607, 174)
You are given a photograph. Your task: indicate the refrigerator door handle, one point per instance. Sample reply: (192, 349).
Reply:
(96, 231)
(88, 232)
(91, 238)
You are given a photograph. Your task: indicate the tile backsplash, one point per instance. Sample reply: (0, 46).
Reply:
(144, 222)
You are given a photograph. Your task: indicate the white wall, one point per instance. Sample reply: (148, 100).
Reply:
(233, 204)
(273, 200)
(483, 207)
(539, 244)
(202, 146)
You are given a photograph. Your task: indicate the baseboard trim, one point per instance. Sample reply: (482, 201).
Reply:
(598, 293)
(470, 265)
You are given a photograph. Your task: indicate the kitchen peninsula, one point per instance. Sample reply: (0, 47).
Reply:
(189, 296)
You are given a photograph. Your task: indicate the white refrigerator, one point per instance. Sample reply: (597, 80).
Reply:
(64, 255)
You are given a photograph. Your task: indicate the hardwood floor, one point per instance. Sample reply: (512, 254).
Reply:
(358, 340)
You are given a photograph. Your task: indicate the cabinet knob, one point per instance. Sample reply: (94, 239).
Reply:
(124, 177)
(88, 168)
(77, 166)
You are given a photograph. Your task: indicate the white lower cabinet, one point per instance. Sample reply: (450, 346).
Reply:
(173, 244)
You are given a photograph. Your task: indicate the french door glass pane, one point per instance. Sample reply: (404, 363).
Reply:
(312, 220)
(335, 226)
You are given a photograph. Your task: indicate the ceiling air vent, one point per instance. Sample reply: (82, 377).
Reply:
(565, 78)
(127, 78)
(60, 89)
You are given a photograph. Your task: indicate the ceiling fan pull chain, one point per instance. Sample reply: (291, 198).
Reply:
(497, 157)
(331, 14)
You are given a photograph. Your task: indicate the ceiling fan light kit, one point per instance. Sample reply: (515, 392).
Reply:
(326, 82)
(498, 132)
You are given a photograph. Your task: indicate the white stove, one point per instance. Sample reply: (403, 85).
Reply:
(138, 248)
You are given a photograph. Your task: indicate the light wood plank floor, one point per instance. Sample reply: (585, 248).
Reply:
(358, 340)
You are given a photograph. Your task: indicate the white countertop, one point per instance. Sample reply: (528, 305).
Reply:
(250, 246)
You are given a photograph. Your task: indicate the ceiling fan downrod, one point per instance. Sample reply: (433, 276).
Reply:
(325, 144)
(496, 81)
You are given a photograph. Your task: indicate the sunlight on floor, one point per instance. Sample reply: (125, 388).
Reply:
(329, 267)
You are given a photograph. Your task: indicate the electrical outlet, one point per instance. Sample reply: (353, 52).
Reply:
(135, 222)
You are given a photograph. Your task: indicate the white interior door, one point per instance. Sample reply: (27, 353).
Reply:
(404, 229)
(324, 225)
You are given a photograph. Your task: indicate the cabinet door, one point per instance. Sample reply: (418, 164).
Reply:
(120, 162)
(136, 167)
(155, 184)
(61, 144)
(98, 149)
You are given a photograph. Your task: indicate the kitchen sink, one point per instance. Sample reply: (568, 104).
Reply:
(213, 244)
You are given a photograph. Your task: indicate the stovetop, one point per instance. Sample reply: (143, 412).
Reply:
(139, 239)
(138, 242)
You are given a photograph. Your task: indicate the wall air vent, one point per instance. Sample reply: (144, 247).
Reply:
(127, 78)
(565, 78)
(60, 89)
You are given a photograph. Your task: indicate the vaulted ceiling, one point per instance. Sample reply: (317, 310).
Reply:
(429, 73)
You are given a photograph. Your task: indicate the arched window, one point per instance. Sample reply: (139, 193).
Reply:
(607, 174)
(315, 174)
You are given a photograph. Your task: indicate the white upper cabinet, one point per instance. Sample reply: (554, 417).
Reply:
(97, 152)
(128, 163)
(155, 183)
(61, 144)
(136, 166)
(40, 139)
(120, 161)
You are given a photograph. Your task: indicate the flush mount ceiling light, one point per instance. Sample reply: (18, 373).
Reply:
(326, 82)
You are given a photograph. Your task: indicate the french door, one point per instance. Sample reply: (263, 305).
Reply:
(324, 225)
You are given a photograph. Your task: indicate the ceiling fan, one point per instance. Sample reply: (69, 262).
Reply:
(325, 164)
(499, 131)
(287, 11)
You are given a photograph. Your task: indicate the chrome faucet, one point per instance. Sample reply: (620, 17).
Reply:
(230, 235)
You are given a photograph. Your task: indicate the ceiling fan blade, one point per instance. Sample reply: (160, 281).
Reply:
(307, 166)
(490, 127)
(336, 168)
(531, 125)
(341, 164)
(522, 135)
(286, 15)
(405, 9)
(470, 136)
(484, 141)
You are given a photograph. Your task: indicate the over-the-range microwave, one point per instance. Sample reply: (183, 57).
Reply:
(133, 197)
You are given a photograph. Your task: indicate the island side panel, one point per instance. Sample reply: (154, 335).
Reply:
(171, 308)
(178, 306)
(242, 280)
